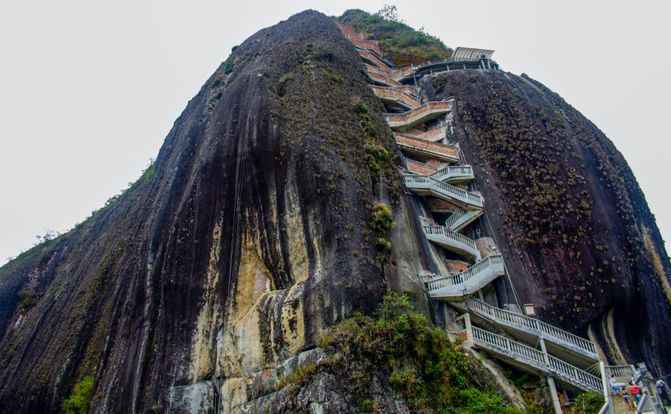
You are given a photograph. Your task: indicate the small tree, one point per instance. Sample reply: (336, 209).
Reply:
(389, 12)
(78, 402)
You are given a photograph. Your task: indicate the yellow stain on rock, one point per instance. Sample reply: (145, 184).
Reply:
(203, 349)
(254, 278)
(657, 263)
(298, 254)
(242, 350)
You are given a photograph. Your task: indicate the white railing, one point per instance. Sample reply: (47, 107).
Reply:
(576, 374)
(481, 267)
(461, 218)
(621, 371)
(444, 189)
(541, 328)
(538, 359)
(453, 238)
(509, 347)
(453, 173)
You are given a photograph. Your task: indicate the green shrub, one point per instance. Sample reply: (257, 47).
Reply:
(229, 66)
(359, 106)
(587, 403)
(376, 156)
(300, 374)
(517, 378)
(382, 219)
(419, 361)
(78, 402)
(478, 401)
(383, 245)
(369, 405)
(28, 298)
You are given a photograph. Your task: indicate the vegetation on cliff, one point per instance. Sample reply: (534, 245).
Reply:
(78, 402)
(399, 349)
(400, 43)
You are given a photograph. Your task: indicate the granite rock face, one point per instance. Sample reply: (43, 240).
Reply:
(248, 236)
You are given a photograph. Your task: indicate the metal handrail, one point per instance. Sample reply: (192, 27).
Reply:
(621, 371)
(538, 359)
(544, 329)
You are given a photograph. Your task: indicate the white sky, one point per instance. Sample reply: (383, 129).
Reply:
(88, 90)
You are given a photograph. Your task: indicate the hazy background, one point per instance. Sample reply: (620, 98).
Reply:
(89, 91)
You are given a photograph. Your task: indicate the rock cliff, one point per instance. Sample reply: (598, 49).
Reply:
(249, 234)
(256, 229)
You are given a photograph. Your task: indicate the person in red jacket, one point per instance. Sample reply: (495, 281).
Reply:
(636, 390)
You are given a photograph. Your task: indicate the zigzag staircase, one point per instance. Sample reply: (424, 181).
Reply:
(436, 170)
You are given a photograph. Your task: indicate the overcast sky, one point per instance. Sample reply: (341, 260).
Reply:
(88, 90)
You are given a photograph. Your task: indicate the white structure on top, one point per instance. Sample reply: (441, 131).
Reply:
(471, 54)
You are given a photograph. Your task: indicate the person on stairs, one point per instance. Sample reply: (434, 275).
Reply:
(627, 399)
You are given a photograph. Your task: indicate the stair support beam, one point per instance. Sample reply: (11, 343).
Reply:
(553, 393)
